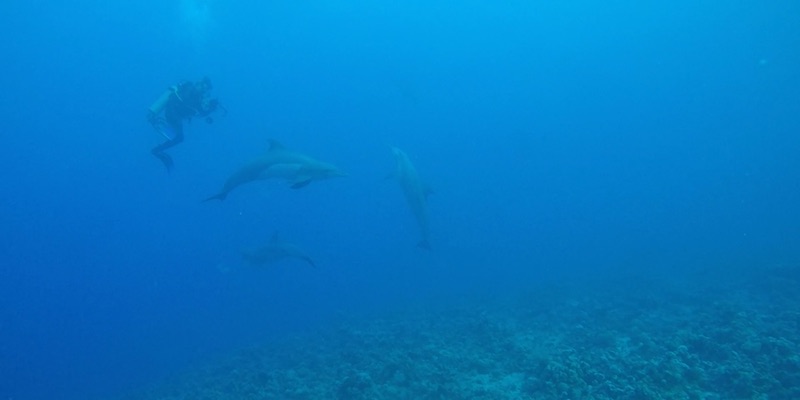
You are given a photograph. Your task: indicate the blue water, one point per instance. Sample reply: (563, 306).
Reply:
(561, 139)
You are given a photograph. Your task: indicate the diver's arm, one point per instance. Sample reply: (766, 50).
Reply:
(208, 107)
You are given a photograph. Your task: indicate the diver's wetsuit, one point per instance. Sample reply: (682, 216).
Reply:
(185, 102)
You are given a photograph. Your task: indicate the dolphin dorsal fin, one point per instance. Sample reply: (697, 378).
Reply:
(275, 145)
(275, 238)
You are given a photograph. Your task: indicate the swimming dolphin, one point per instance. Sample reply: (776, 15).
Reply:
(280, 163)
(275, 250)
(416, 192)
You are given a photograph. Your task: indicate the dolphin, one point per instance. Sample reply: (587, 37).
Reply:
(273, 251)
(416, 193)
(279, 163)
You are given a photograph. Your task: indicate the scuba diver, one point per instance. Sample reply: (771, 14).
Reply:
(182, 101)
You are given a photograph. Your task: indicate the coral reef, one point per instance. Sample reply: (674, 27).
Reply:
(737, 340)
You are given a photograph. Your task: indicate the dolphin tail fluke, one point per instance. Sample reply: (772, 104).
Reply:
(310, 261)
(424, 244)
(427, 191)
(219, 196)
(247, 256)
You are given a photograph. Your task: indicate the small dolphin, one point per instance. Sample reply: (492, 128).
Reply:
(280, 163)
(416, 193)
(275, 250)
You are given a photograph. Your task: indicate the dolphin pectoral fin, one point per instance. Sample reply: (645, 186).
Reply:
(299, 183)
(310, 261)
(219, 196)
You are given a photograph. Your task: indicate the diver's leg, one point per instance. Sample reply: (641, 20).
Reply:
(158, 151)
(163, 157)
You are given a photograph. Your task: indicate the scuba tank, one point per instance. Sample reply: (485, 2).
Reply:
(159, 123)
(161, 102)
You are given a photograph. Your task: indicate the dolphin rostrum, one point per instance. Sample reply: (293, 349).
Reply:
(273, 251)
(416, 192)
(279, 163)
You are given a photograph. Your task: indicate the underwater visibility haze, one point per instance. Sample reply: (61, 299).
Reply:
(424, 199)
